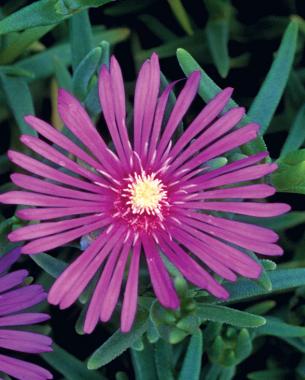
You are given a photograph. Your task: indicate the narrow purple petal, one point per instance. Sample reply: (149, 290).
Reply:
(53, 135)
(215, 131)
(23, 319)
(129, 306)
(43, 170)
(50, 242)
(201, 251)
(119, 103)
(9, 259)
(159, 114)
(77, 120)
(205, 117)
(25, 341)
(34, 231)
(53, 213)
(232, 257)
(41, 186)
(261, 210)
(190, 269)
(140, 98)
(159, 276)
(94, 309)
(109, 111)
(35, 199)
(244, 229)
(113, 290)
(244, 192)
(12, 279)
(245, 174)
(114, 243)
(151, 103)
(20, 299)
(227, 143)
(47, 151)
(66, 280)
(22, 370)
(182, 104)
(248, 242)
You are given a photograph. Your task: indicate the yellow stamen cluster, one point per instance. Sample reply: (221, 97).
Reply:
(145, 194)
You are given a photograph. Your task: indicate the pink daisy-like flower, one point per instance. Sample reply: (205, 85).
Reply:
(145, 196)
(14, 299)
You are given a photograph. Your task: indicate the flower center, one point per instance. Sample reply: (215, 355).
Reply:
(146, 194)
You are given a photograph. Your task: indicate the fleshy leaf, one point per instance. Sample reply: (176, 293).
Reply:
(208, 89)
(270, 93)
(230, 316)
(69, 366)
(191, 365)
(45, 12)
(118, 343)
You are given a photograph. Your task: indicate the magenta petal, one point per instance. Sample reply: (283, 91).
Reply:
(52, 213)
(141, 92)
(94, 309)
(9, 259)
(53, 155)
(35, 199)
(190, 269)
(22, 370)
(40, 186)
(113, 291)
(77, 120)
(159, 114)
(35, 231)
(159, 276)
(61, 140)
(67, 279)
(183, 102)
(216, 130)
(23, 319)
(12, 279)
(25, 341)
(109, 111)
(82, 281)
(251, 191)
(46, 171)
(205, 117)
(244, 229)
(151, 103)
(50, 242)
(129, 306)
(261, 210)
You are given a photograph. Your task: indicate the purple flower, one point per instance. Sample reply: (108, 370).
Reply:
(14, 299)
(146, 196)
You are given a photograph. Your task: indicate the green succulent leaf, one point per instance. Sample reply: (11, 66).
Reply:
(19, 100)
(290, 176)
(276, 327)
(143, 363)
(81, 38)
(191, 364)
(270, 93)
(69, 366)
(85, 71)
(45, 12)
(53, 266)
(296, 136)
(118, 343)
(208, 89)
(281, 279)
(229, 316)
